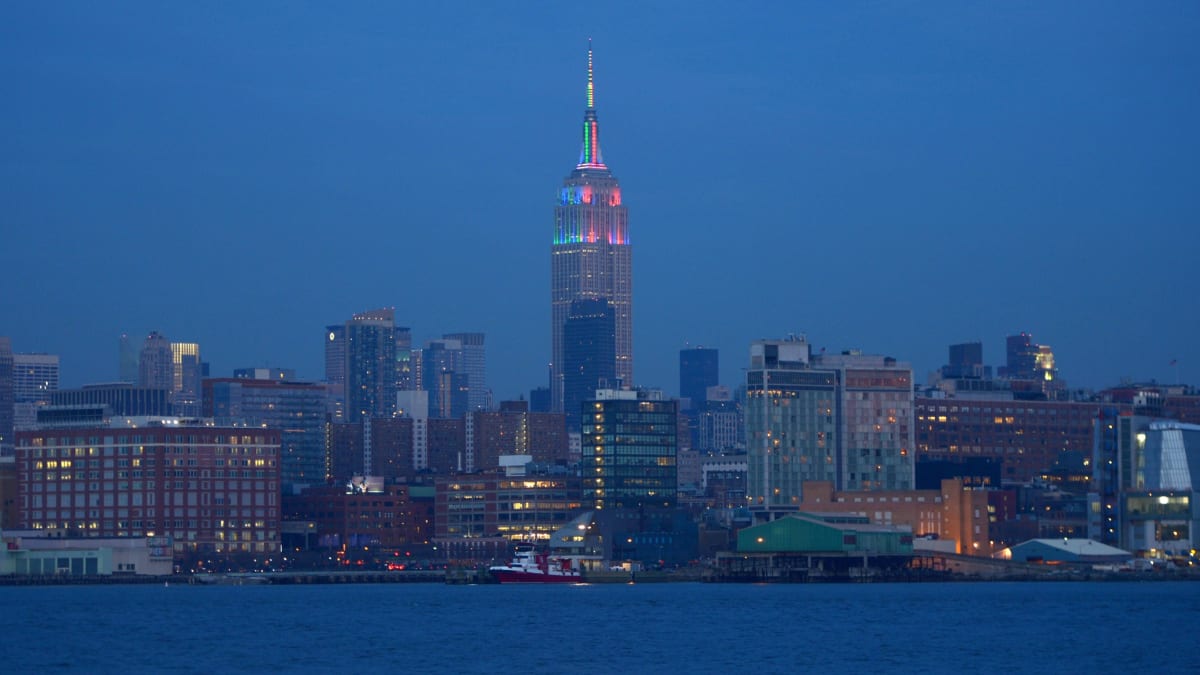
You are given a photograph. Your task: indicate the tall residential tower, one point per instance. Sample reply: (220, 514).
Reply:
(370, 371)
(591, 257)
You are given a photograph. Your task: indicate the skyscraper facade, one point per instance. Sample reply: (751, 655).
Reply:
(1034, 364)
(1021, 353)
(699, 369)
(186, 375)
(127, 360)
(791, 424)
(296, 409)
(444, 376)
(156, 363)
(591, 256)
(35, 376)
(589, 354)
(876, 435)
(719, 423)
(404, 360)
(371, 365)
(474, 366)
(630, 450)
(845, 418)
(120, 399)
(335, 369)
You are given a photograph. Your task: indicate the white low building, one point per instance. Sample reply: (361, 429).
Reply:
(29, 554)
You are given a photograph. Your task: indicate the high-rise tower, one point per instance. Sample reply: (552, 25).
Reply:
(35, 376)
(589, 355)
(187, 372)
(156, 363)
(699, 369)
(371, 365)
(591, 257)
(474, 366)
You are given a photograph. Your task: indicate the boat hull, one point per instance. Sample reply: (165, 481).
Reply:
(507, 576)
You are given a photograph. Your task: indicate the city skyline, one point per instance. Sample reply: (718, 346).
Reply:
(894, 180)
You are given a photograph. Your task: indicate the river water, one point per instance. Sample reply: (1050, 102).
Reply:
(1032, 627)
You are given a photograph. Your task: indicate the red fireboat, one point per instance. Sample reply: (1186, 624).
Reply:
(536, 567)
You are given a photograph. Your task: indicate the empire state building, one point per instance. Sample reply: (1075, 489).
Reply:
(590, 260)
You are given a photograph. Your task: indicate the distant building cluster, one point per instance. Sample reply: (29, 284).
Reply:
(401, 449)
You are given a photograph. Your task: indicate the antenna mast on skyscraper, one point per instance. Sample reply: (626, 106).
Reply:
(591, 87)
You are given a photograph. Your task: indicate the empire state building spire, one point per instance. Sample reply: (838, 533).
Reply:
(589, 156)
(591, 277)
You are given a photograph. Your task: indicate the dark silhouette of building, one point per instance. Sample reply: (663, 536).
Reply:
(589, 354)
(699, 369)
(591, 256)
(1021, 352)
(10, 517)
(539, 399)
(447, 445)
(974, 472)
(392, 448)
(966, 361)
(127, 360)
(6, 397)
(344, 457)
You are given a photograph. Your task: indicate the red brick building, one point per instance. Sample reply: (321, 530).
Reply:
(1026, 436)
(390, 516)
(951, 512)
(343, 451)
(515, 431)
(447, 445)
(211, 489)
(391, 450)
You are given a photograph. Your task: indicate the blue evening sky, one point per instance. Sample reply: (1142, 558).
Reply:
(893, 176)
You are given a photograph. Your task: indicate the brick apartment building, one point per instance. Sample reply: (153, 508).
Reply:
(210, 489)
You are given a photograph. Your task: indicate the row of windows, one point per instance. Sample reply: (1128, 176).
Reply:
(138, 439)
(39, 450)
(1087, 412)
(111, 525)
